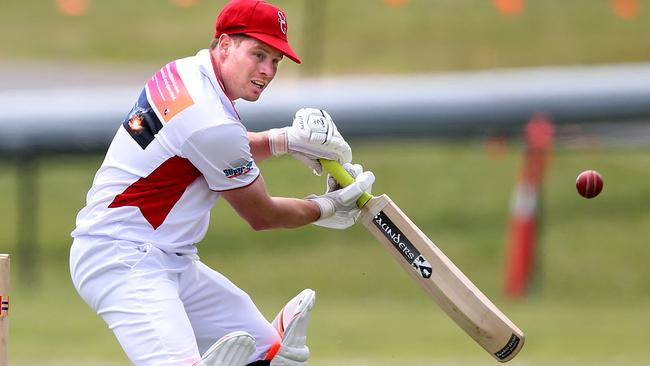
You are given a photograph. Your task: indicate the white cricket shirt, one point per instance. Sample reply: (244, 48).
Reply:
(181, 144)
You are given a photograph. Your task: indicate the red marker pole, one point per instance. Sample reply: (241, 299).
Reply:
(526, 208)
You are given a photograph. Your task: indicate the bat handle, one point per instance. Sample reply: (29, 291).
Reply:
(336, 170)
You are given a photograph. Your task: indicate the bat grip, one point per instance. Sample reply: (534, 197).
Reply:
(336, 170)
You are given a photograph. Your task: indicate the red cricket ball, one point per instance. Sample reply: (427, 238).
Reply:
(589, 183)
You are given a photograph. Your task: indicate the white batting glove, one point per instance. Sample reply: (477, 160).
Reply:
(353, 169)
(312, 136)
(338, 206)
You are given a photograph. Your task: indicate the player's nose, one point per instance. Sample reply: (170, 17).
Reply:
(268, 69)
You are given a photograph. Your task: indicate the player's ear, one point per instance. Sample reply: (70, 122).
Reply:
(225, 42)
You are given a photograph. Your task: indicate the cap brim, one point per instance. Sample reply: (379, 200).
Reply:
(276, 43)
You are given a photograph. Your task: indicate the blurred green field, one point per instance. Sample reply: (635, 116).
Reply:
(591, 307)
(361, 36)
(593, 296)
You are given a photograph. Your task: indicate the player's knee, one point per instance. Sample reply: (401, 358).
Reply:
(268, 342)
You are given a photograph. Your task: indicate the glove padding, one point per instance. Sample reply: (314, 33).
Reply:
(312, 136)
(339, 205)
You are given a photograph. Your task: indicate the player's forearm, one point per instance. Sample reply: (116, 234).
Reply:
(263, 212)
(259, 144)
(287, 213)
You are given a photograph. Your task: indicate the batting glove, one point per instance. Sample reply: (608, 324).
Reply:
(312, 136)
(338, 206)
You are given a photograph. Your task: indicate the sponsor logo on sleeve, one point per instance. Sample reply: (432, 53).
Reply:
(136, 122)
(240, 169)
(168, 92)
(142, 123)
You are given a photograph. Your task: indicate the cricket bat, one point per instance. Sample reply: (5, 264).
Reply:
(437, 274)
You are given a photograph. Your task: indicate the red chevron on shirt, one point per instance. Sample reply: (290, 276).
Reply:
(157, 194)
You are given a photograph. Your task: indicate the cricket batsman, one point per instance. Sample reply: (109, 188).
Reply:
(182, 146)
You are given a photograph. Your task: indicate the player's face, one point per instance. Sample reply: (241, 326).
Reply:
(249, 68)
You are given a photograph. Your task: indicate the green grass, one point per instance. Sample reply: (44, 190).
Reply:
(361, 36)
(591, 307)
(593, 299)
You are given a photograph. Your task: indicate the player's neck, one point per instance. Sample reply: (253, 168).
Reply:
(217, 74)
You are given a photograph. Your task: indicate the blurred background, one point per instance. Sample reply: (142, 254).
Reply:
(476, 116)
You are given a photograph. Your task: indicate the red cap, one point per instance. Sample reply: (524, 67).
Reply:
(257, 19)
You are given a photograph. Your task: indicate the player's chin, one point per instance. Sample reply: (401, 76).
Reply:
(253, 96)
(253, 92)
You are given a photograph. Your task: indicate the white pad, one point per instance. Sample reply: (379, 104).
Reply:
(233, 349)
(291, 323)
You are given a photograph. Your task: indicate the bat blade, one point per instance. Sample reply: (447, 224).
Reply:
(440, 277)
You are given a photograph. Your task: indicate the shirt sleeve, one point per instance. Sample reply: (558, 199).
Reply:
(222, 154)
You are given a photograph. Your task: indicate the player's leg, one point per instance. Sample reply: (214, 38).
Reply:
(233, 349)
(215, 307)
(133, 289)
(291, 323)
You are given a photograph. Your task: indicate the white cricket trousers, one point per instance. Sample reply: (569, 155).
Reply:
(164, 308)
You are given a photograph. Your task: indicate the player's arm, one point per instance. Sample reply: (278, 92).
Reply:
(331, 209)
(259, 143)
(263, 212)
(223, 154)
